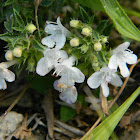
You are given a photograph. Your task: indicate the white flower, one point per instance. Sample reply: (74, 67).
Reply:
(69, 75)
(6, 74)
(58, 35)
(121, 56)
(103, 77)
(50, 59)
(68, 94)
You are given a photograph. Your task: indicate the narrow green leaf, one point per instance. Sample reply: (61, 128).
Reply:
(108, 29)
(6, 37)
(93, 4)
(121, 21)
(46, 3)
(84, 15)
(37, 45)
(95, 35)
(105, 129)
(102, 25)
(91, 20)
(18, 19)
(8, 25)
(15, 40)
(18, 29)
(9, 2)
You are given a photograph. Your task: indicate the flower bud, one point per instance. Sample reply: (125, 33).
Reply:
(74, 42)
(31, 65)
(84, 48)
(94, 60)
(86, 31)
(74, 23)
(104, 39)
(17, 52)
(9, 55)
(31, 27)
(97, 46)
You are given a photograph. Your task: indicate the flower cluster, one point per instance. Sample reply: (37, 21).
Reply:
(120, 56)
(57, 59)
(84, 45)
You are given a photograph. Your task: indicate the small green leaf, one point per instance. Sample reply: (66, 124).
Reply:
(18, 29)
(8, 26)
(6, 37)
(15, 40)
(105, 129)
(95, 35)
(102, 25)
(9, 2)
(84, 15)
(46, 3)
(37, 45)
(108, 30)
(18, 19)
(66, 113)
(91, 20)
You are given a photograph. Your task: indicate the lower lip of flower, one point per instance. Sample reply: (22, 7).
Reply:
(64, 86)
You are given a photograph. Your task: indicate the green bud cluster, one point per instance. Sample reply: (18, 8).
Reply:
(90, 43)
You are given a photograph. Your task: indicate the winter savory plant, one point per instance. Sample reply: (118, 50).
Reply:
(54, 56)
(66, 47)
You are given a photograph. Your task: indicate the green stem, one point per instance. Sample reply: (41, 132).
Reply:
(36, 19)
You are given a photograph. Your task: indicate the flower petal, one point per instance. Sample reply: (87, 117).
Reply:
(113, 64)
(51, 28)
(94, 80)
(77, 75)
(48, 41)
(130, 58)
(65, 31)
(105, 88)
(123, 68)
(60, 40)
(116, 80)
(121, 47)
(2, 84)
(55, 85)
(69, 95)
(43, 67)
(8, 75)
(63, 55)
(66, 78)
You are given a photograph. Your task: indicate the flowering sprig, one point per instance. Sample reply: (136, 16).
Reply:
(102, 78)
(84, 45)
(121, 56)
(58, 34)
(69, 75)
(50, 59)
